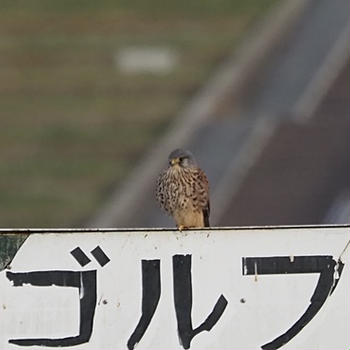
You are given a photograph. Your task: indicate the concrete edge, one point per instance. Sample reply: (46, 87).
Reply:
(229, 77)
(240, 165)
(334, 62)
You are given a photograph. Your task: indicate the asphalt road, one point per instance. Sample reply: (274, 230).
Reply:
(302, 175)
(232, 140)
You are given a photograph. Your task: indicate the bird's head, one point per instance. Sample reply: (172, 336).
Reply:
(182, 158)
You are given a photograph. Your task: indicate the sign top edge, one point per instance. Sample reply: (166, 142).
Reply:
(161, 229)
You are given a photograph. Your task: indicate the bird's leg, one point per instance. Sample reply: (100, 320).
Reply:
(181, 227)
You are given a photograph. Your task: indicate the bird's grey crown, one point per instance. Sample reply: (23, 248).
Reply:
(184, 154)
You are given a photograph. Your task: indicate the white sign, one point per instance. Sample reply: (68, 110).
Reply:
(236, 289)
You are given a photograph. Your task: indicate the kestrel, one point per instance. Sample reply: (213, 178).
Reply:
(183, 191)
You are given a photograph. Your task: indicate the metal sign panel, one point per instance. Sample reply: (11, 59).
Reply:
(216, 289)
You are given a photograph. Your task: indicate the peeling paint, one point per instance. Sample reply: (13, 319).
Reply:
(255, 272)
(9, 245)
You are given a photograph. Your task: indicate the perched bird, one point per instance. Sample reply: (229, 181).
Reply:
(183, 191)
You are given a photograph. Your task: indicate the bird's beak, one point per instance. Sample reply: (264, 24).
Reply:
(175, 161)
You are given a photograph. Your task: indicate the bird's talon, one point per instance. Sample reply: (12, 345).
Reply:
(181, 228)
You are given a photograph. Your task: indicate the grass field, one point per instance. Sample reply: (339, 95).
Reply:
(73, 124)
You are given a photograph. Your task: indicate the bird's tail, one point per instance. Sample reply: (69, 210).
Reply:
(206, 217)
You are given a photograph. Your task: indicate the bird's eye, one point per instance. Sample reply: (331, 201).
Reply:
(181, 159)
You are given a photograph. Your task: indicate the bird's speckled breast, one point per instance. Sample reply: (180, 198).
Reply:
(175, 188)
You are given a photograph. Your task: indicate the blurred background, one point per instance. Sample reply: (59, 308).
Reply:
(95, 94)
